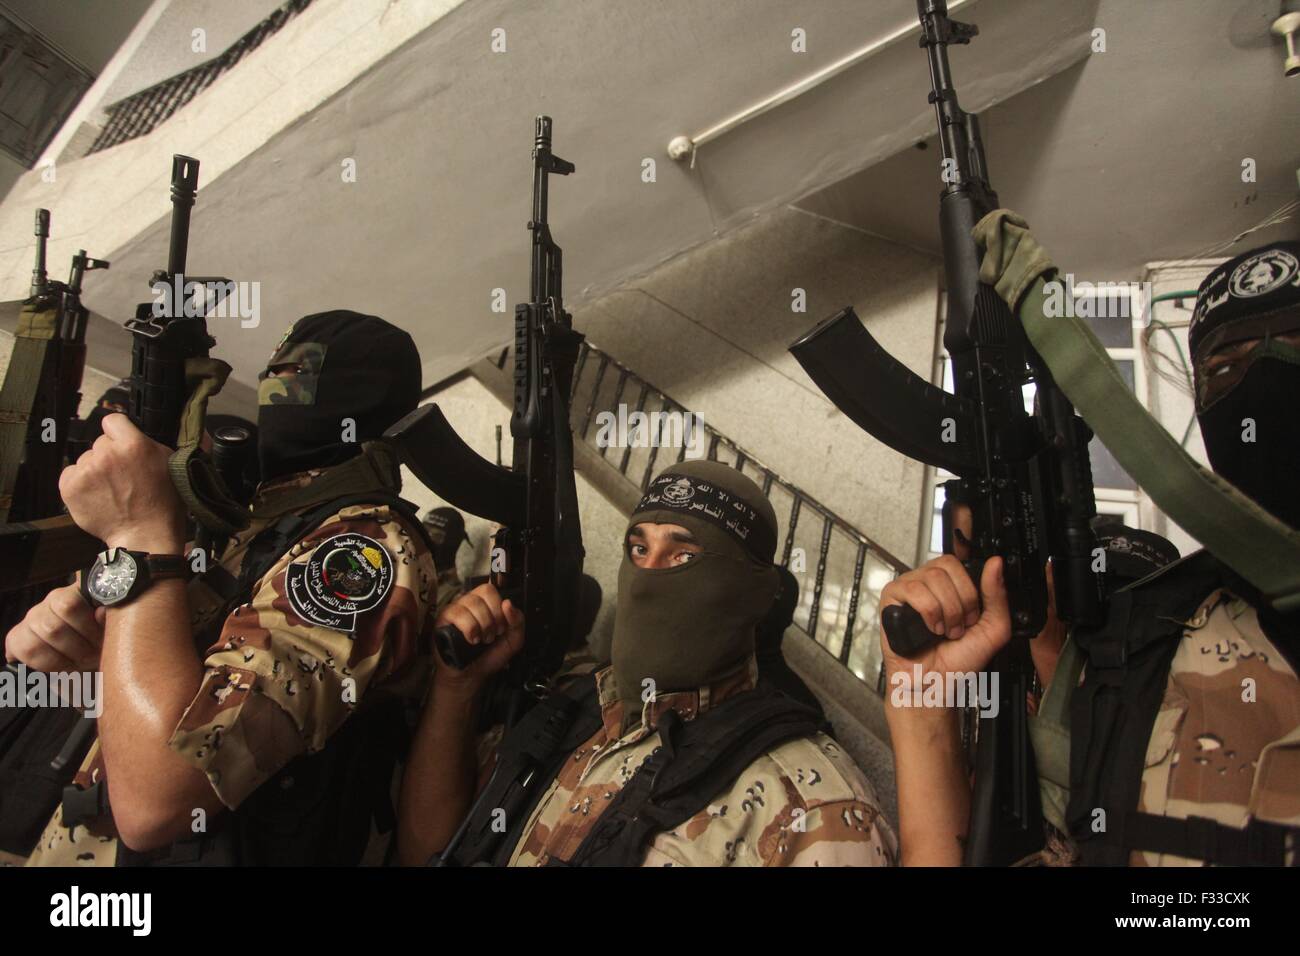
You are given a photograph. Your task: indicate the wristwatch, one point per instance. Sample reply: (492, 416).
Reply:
(119, 575)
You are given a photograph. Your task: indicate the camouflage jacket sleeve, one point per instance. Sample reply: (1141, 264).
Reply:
(803, 804)
(278, 681)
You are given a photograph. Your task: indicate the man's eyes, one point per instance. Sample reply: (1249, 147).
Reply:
(639, 550)
(683, 556)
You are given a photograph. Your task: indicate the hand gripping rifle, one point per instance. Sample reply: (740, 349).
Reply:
(535, 501)
(171, 380)
(1027, 477)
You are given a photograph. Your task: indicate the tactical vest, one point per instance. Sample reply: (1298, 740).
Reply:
(1111, 718)
(318, 809)
(696, 760)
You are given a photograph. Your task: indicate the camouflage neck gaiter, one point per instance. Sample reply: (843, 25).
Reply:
(345, 379)
(683, 627)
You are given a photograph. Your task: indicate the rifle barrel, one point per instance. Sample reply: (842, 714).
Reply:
(39, 277)
(185, 184)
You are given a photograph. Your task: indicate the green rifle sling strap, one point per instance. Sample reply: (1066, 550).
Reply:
(196, 480)
(1240, 533)
(1049, 731)
(36, 329)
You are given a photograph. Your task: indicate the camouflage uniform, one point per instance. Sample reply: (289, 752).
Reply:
(1224, 744)
(804, 803)
(269, 663)
(1226, 741)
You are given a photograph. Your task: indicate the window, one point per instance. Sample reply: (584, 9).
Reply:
(39, 86)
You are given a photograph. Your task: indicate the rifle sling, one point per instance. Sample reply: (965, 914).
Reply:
(192, 472)
(1239, 532)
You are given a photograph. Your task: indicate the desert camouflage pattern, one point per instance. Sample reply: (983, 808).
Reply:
(1226, 740)
(296, 388)
(94, 844)
(805, 803)
(275, 686)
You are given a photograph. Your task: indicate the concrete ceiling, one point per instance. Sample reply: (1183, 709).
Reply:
(440, 132)
(1133, 155)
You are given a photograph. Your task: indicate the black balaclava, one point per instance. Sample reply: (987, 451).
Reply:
(770, 635)
(353, 366)
(771, 629)
(1248, 409)
(446, 527)
(688, 625)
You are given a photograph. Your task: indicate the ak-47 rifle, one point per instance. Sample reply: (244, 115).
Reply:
(41, 394)
(55, 318)
(1026, 477)
(167, 335)
(536, 501)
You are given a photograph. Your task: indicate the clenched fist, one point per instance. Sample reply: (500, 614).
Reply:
(943, 594)
(120, 491)
(482, 617)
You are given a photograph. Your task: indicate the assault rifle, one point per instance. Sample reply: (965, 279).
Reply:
(40, 397)
(44, 376)
(1026, 476)
(537, 559)
(168, 335)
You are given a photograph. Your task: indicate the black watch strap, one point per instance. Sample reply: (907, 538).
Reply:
(164, 566)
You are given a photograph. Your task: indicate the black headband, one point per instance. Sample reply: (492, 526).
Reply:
(1253, 295)
(705, 500)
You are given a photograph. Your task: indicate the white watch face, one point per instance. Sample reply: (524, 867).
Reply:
(111, 576)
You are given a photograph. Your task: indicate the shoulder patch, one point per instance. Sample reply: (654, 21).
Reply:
(346, 576)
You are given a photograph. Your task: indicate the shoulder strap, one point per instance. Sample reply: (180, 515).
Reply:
(528, 759)
(1112, 712)
(1049, 732)
(1259, 843)
(695, 761)
(1256, 544)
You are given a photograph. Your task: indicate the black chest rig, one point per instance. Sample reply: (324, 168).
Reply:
(1111, 717)
(697, 760)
